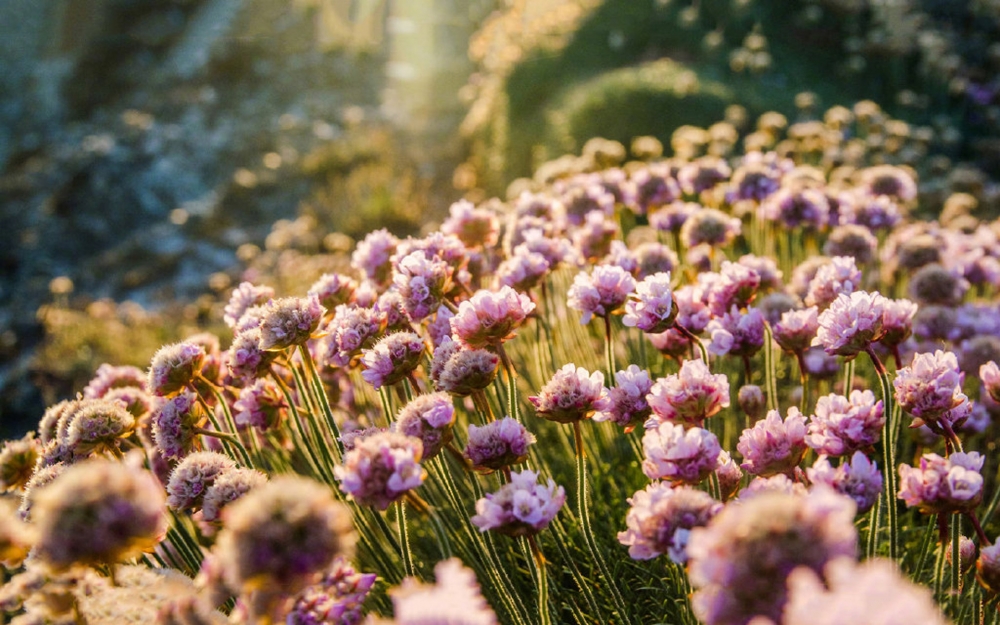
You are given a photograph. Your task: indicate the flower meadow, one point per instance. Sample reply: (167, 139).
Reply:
(744, 390)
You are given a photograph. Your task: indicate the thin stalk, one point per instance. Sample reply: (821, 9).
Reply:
(942, 522)
(956, 566)
(770, 369)
(312, 409)
(888, 455)
(609, 352)
(229, 441)
(318, 468)
(541, 582)
(324, 402)
(404, 540)
(694, 339)
(508, 366)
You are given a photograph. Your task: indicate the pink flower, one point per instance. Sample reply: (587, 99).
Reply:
(381, 468)
(844, 425)
(523, 270)
(797, 207)
(851, 324)
(429, 418)
(651, 308)
(520, 508)
(676, 454)
(600, 293)
(373, 255)
(990, 376)
(573, 394)
(243, 298)
(352, 329)
(475, 227)
(260, 406)
(897, 321)
(334, 289)
(245, 359)
(626, 404)
(422, 280)
(498, 444)
(455, 598)
(489, 318)
(930, 386)
(109, 377)
(175, 368)
(289, 322)
(689, 396)
(661, 518)
(951, 484)
(797, 329)
(392, 359)
(859, 479)
(336, 598)
(735, 285)
(772, 445)
(737, 333)
(839, 276)
(594, 236)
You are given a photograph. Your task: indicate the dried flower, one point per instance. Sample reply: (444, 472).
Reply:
(573, 394)
(521, 507)
(489, 318)
(455, 598)
(676, 454)
(498, 444)
(381, 468)
(842, 425)
(897, 321)
(601, 292)
(429, 418)
(859, 479)
(661, 518)
(951, 484)
(289, 322)
(772, 445)
(689, 396)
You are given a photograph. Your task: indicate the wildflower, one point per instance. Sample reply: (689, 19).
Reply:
(842, 425)
(193, 476)
(280, 534)
(468, 371)
(227, 487)
(584, 200)
(797, 207)
(930, 386)
(440, 356)
(135, 400)
(650, 308)
(851, 324)
(702, 174)
(796, 330)
(735, 285)
(740, 561)
(772, 445)
(594, 236)
(110, 377)
(889, 180)
(260, 406)
(661, 518)
(392, 359)
(859, 479)
(245, 358)
(989, 373)
(334, 289)
(47, 425)
(651, 187)
(523, 270)
(244, 297)
(710, 226)
(689, 396)
(17, 462)
(834, 278)
(729, 475)
(498, 444)
(573, 394)
(439, 328)
(521, 507)
(626, 402)
(99, 425)
(174, 368)
(951, 484)
(818, 364)
(737, 333)
(852, 240)
(289, 321)
(555, 250)
(652, 258)
(684, 456)
(175, 424)
(373, 254)
(489, 318)
(875, 213)
(988, 567)
(455, 598)
(934, 284)
(873, 592)
(422, 281)
(42, 477)
(336, 598)
(381, 468)
(429, 418)
(98, 512)
(671, 217)
(600, 293)
(897, 321)
(352, 329)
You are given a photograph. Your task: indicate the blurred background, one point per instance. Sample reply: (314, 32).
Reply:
(153, 153)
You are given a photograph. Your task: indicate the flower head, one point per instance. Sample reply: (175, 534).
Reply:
(859, 478)
(952, 484)
(381, 468)
(336, 598)
(352, 329)
(334, 289)
(676, 454)
(838, 276)
(455, 599)
(289, 321)
(797, 207)
(429, 418)
(489, 318)
(498, 444)
(661, 518)
(651, 307)
(737, 333)
(689, 396)
(99, 425)
(774, 446)
(601, 292)
(175, 422)
(260, 406)
(246, 359)
(626, 403)
(930, 387)
(523, 507)
(523, 269)
(711, 226)
(844, 425)
(17, 462)
(373, 254)
(473, 226)
(467, 371)
(897, 321)
(573, 394)
(174, 368)
(851, 323)
(392, 359)
(244, 297)
(193, 476)
(110, 377)
(226, 488)
(422, 280)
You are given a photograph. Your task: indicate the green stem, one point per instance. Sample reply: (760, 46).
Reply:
(512, 403)
(404, 540)
(609, 352)
(694, 339)
(888, 454)
(770, 370)
(541, 581)
(229, 441)
(956, 565)
(324, 402)
(298, 432)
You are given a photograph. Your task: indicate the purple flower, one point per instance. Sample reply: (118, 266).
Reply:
(489, 318)
(729, 475)
(650, 308)
(226, 488)
(737, 333)
(889, 180)
(940, 485)
(740, 562)
(422, 281)
(702, 174)
(671, 218)
(689, 396)
(675, 454)
(580, 201)
(851, 324)
(520, 508)
(336, 598)
(651, 187)
(381, 468)
(98, 425)
(842, 426)
(523, 270)
(193, 476)
(652, 257)
(930, 386)
(475, 227)
(260, 406)
(392, 359)
(734, 286)
(466, 371)
(439, 328)
(175, 422)
(174, 368)
(334, 289)
(710, 226)
(797, 207)
(797, 329)
(897, 321)
(245, 297)
(600, 293)
(839, 276)
(573, 394)
(661, 518)
(989, 373)
(498, 444)
(455, 598)
(858, 479)
(429, 418)
(245, 358)
(555, 250)
(774, 446)
(351, 330)
(110, 377)
(626, 403)
(988, 567)
(373, 255)
(289, 321)
(593, 238)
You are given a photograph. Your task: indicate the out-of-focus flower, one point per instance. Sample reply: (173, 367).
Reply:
(244, 297)
(676, 454)
(839, 276)
(373, 255)
(859, 479)
(334, 289)
(661, 518)
(573, 394)
(951, 484)
(797, 207)
(429, 418)
(710, 226)
(226, 488)
(17, 462)
(796, 330)
(774, 446)
(522, 507)
(381, 468)
(475, 227)
(737, 333)
(336, 598)
(455, 598)
(109, 377)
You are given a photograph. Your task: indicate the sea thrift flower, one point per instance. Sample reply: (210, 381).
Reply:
(468, 371)
(429, 418)
(650, 187)
(702, 174)
(889, 180)
(520, 508)
(873, 592)
(734, 286)
(334, 289)
(422, 280)
(951, 484)
(772, 445)
(280, 534)
(930, 386)
(852, 240)
(601, 292)
(455, 598)
(988, 567)
(737, 333)
(740, 562)
(336, 598)
(244, 297)
(439, 327)
(373, 254)
(245, 358)
(839, 276)
(226, 488)
(990, 375)
(260, 406)
(594, 236)
(875, 213)
(392, 359)
(289, 322)
(793, 208)
(174, 368)
(175, 424)
(110, 377)
(498, 444)
(797, 329)
(523, 270)
(652, 258)
(671, 218)
(661, 518)
(842, 426)
(193, 476)
(650, 308)
(729, 475)
(626, 403)
(17, 462)
(352, 329)
(689, 396)
(675, 454)
(98, 512)
(489, 318)
(584, 200)
(935, 284)
(99, 425)
(859, 479)
(710, 226)
(897, 321)
(751, 401)
(381, 468)
(573, 394)
(851, 324)
(475, 227)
